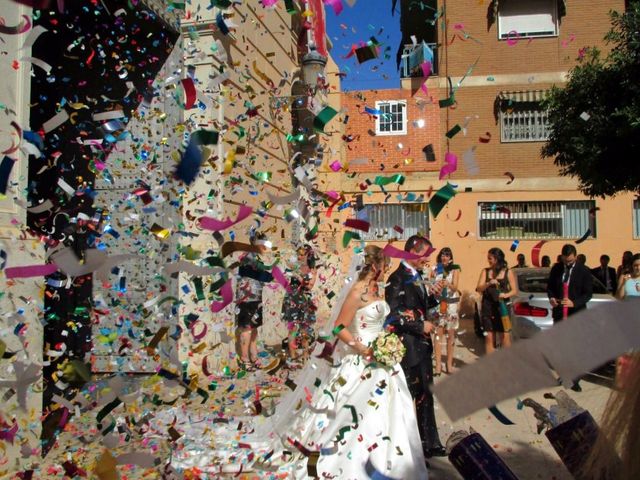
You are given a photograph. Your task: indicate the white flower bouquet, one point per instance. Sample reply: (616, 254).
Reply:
(388, 349)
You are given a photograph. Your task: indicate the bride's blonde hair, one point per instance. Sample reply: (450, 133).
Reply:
(372, 256)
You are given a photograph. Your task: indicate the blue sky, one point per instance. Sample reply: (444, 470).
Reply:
(367, 18)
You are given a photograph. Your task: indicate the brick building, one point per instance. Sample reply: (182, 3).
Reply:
(408, 142)
(492, 62)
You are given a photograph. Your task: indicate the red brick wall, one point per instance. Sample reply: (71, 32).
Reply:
(585, 24)
(383, 150)
(494, 158)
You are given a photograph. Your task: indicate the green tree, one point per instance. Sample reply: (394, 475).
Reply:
(595, 118)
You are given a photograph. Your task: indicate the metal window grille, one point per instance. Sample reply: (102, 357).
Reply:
(524, 123)
(636, 219)
(398, 221)
(392, 118)
(536, 220)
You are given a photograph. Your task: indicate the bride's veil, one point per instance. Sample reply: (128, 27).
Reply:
(315, 369)
(357, 262)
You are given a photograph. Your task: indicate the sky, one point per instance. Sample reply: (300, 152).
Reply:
(357, 24)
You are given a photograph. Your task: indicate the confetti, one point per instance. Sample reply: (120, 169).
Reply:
(511, 177)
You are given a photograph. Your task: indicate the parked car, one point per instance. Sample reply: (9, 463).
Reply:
(531, 310)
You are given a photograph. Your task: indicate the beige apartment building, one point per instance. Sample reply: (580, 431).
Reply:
(499, 59)
(257, 79)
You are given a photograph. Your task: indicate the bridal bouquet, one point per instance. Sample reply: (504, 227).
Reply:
(388, 349)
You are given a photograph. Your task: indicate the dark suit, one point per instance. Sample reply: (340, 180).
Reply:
(403, 292)
(599, 273)
(580, 288)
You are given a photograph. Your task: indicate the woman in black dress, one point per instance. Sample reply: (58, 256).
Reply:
(497, 284)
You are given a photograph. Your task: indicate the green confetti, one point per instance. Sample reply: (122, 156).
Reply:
(348, 236)
(440, 199)
(382, 181)
(337, 329)
(324, 117)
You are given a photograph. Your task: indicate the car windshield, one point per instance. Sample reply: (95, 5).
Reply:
(532, 281)
(535, 281)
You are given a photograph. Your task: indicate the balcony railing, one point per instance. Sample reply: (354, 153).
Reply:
(413, 56)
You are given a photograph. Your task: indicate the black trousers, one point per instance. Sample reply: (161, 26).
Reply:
(419, 377)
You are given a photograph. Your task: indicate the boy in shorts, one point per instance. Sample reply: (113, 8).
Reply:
(251, 279)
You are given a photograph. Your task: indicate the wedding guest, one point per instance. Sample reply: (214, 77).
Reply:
(629, 283)
(497, 284)
(251, 278)
(625, 266)
(522, 263)
(605, 273)
(569, 288)
(298, 306)
(447, 274)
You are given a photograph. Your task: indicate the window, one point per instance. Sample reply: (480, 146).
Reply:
(522, 118)
(531, 18)
(395, 220)
(392, 119)
(636, 218)
(536, 220)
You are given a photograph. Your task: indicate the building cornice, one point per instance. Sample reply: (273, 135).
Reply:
(532, 78)
(419, 182)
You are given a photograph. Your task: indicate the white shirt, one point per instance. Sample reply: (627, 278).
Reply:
(416, 275)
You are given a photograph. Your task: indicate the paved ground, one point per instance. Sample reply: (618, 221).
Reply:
(528, 454)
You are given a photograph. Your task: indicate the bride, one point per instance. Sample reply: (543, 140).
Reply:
(348, 417)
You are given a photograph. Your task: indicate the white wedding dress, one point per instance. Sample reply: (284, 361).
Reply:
(358, 420)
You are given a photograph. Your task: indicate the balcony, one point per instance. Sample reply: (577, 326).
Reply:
(413, 56)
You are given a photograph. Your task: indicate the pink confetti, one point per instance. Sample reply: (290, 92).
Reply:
(227, 296)
(31, 271)
(393, 252)
(336, 5)
(336, 166)
(512, 38)
(426, 69)
(279, 277)
(209, 223)
(450, 164)
(9, 435)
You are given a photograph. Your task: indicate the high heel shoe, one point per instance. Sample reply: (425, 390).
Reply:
(255, 363)
(245, 365)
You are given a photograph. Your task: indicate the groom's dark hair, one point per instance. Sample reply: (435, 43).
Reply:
(416, 242)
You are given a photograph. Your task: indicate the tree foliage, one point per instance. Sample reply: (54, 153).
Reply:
(595, 118)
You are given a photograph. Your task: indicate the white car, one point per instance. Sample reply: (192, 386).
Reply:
(531, 310)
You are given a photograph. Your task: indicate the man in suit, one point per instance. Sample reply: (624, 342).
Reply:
(409, 301)
(579, 288)
(606, 274)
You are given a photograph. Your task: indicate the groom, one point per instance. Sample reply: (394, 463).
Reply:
(409, 301)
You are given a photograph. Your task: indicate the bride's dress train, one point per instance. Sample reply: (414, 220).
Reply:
(344, 420)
